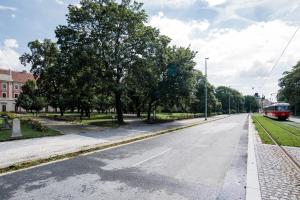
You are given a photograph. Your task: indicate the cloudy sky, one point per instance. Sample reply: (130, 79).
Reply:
(242, 38)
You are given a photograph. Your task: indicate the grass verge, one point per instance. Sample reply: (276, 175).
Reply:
(27, 132)
(280, 133)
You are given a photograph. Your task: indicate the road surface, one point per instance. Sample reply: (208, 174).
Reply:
(202, 162)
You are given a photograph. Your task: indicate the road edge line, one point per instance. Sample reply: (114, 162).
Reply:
(24, 165)
(252, 188)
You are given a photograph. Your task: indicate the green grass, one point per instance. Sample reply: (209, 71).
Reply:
(279, 131)
(106, 120)
(27, 132)
(101, 122)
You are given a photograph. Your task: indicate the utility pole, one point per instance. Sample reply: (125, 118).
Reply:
(206, 88)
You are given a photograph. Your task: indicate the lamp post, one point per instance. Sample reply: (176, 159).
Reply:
(229, 110)
(206, 88)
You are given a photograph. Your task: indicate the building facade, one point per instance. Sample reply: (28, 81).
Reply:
(10, 88)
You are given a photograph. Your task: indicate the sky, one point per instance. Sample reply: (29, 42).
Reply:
(242, 38)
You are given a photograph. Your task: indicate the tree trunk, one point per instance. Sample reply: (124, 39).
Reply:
(119, 108)
(61, 112)
(149, 111)
(81, 114)
(138, 112)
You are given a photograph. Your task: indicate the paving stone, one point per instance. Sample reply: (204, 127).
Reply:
(277, 177)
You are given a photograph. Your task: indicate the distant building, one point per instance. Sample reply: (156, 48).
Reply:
(10, 88)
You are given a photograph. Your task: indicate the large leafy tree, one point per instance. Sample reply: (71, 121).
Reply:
(213, 104)
(251, 104)
(290, 88)
(30, 98)
(112, 36)
(228, 95)
(48, 69)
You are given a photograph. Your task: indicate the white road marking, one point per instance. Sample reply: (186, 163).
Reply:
(152, 157)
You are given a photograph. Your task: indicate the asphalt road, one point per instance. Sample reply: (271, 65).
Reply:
(202, 162)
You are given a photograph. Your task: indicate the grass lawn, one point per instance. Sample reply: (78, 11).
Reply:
(177, 116)
(76, 116)
(106, 120)
(279, 130)
(101, 122)
(27, 132)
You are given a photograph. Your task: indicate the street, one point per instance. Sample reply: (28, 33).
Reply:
(207, 161)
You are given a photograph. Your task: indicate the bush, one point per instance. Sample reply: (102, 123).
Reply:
(37, 125)
(8, 114)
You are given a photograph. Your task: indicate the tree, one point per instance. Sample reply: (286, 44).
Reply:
(290, 88)
(251, 104)
(111, 35)
(226, 94)
(213, 104)
(47, 66)
(30, 98)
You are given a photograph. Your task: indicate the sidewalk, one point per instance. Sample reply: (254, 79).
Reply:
(13, 152)
(277, 178)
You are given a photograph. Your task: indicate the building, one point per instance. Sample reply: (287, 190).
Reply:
(10, 88)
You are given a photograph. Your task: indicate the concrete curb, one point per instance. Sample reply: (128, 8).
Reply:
(94, 148)
(253, 188)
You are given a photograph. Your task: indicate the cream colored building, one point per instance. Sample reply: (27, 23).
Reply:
(10, 88)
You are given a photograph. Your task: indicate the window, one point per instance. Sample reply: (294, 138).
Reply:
(16, 96)
(4, 94)
(282, 108)
(3, 108)
(16, 87)
(3, 86)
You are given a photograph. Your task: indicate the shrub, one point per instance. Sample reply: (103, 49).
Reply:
(8, 114)
(37, 125)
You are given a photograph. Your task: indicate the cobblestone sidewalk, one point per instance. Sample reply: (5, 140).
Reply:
(278, 179)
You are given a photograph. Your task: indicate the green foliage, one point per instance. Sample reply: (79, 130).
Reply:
(198, 105)
(30, 98)
(226, 95)
(37, 125)
(106, 58)
(251, 104)
(47, 65)
(8, 114)
(290, 88)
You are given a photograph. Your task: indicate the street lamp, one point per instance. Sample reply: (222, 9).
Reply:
(206, 88)
(229, 110)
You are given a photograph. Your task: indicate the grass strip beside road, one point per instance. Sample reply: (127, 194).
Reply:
(278, 131)
(90, 149)
(27, 132)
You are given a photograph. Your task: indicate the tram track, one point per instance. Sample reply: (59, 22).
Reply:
(286, 129)
(284, 152)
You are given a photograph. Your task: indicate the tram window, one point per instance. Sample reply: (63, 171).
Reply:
(282, 108)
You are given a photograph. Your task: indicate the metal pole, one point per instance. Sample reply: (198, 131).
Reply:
(206, 88)
(229, 111)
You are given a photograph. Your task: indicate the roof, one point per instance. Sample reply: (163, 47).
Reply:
(278, 104)
(4, 71)
(20, 77)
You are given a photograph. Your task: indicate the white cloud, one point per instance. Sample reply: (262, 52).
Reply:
(178, 30)
(169, 3)
(7, 8)
(240, 58)
(9, 57)
(215, 2)
(249, 11)
(61, 2)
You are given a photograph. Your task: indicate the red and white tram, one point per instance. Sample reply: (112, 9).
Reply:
(278, 111)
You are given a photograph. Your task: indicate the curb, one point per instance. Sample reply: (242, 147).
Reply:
(253, 188)
(93, 148)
